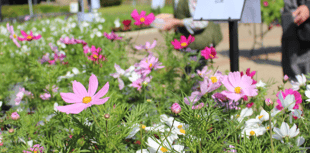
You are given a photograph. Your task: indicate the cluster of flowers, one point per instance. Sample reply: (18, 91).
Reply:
(137, 74)
(72, 41)
(47, 95)
(20, 95)
(238, 86)
(27, 37)
(93, 53)
(58, 56)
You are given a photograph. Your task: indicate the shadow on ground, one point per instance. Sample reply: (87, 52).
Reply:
(256, 53)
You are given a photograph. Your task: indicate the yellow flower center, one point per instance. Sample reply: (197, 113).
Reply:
(163, 149)
(29, 37)
(238, 90)
(143, 127)
(35, 151)
(267, 127)
(149, 100)
(95, 56)
(182, 131)
(211, 55)
(145, 83)
(252, 133)
(238, 116)
(180, 126)
(142, 19)
(86, 100)
(200, 74)
(150, 65)
(183, 44)
(259, 117)
(14, 36)
(213, 79)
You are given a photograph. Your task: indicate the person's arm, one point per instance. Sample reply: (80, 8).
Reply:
(191, 25)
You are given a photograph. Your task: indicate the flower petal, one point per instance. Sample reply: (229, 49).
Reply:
(71, 97)
(73, 109)
(99, 101)
(102, 91)
(93, 85)
(79, 89)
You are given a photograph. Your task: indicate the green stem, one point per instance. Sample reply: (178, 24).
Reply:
(167, 135)
(141, 139)
(305, 125)
(102, 129)
(270, 130)
(106, 123)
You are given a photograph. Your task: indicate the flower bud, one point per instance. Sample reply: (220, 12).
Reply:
(15, 116)
(285, 78)
(268, 102)
(176, 108)
(107, 116)
(11, 130)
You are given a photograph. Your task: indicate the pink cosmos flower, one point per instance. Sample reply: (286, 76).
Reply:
(268, 101)
(68, 41)
(147, 46)
(82, 98)
(238, 86)
(28, 37)
(35, 149)
(27, 17)
(138, 83)
(45, 58)
(148, 64)
(19, 96)
(13, 36)
(210, 84)
(45, 96)
(250, 74)
(285, 78)
(112, 36)
(266, 3)
(141, 18)
(86, 49)
(183, 43)
(209, 53)
(204, 72)
(194, 98)
(286, 92)
(95, 56)
(15, 116)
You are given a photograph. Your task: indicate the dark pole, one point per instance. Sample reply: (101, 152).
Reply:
(89, 5)
(234, 46)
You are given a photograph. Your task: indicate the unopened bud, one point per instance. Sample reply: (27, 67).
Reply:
(15, 116)
(11, 130)
(176, 108)
(107, 116)
(285, 78)
(268, 102)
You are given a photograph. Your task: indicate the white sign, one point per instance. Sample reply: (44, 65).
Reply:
(251, 12)
(158, 3)
(219, 9)
(74, 7)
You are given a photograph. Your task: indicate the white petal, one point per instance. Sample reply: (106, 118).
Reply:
(293, 132)
(285, 129)
(300, 140)
(289, 102)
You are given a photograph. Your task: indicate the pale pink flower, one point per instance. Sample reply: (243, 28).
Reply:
(13, 36)
(268, 101)
(176, 108)
(139, 82)
(68, 41)
(147, 46)
(238, 86)
(285, 78)
(112, 36)
(119, 72)
(204, 72)
(148, 64)
(210, 84)
(45, 96)
(82, 98)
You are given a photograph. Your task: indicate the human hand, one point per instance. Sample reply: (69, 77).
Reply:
(171, 23)
(302, 14)
(164, 16)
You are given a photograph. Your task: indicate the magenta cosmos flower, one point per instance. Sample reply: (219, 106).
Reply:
(82, 98)
(141, 18)
(28, 37)
(266, 3)
(238, 86)
(250, 74)
(286, 92)
(148, 64)
(95, 56)
(183, 43)
(13, 36)
(209, 53)
(112, 36)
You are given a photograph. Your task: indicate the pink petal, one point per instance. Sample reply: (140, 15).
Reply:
(37, 37)
(79, 89)
(232, 95)
(31, 34)
(21, 39)
(147, 45)
(234, 78)
(16, 43)
(154, 44)
(99, 101)
(142, 14)
(135, 14)
(120, 83)
(183, 39)
(139, 47)
(8, 27)
(93, 85)
(73, 109)
(102, 91)
(23, 33)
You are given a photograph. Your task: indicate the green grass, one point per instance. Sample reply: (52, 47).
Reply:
(11, 11)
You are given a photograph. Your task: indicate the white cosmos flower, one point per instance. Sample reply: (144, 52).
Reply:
(55, 106)
(263, 116)
(137, 127)
(285, 131)
(134, 76)
(117, 23)
(244, 113)
(260, 84)
(257, 131)
(165, 147)
(307, 92)
(301, 81)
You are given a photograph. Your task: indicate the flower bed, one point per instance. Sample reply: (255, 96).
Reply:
(80, 94)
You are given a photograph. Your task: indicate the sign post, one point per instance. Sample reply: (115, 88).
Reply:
(0, 11)
(30, 7)
(233, 11)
